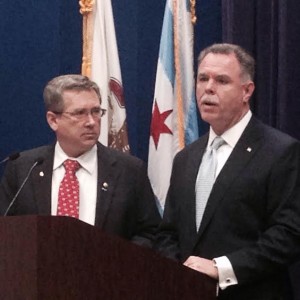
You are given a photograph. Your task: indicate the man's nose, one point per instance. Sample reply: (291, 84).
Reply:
(210, 87)
(90, 119)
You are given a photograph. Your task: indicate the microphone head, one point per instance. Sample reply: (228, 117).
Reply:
(14, 156)
(39, 161)
(10, 157)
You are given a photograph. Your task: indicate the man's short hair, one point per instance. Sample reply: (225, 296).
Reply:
(53, 92)
(246, 61)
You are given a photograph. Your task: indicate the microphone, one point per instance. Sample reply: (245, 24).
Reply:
(36, 163)
(13, 156)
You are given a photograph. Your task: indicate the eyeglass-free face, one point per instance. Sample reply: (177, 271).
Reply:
(222, 92)
(77, 127)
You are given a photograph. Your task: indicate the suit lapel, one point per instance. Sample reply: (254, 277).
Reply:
(42, 182)
(108, 174)
(245, 149)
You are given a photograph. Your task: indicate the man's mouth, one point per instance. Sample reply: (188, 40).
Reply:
(208, 102)
(89, 134)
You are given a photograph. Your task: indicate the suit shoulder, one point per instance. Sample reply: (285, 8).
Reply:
(277, 138)
(122, 158)
(127, 158)
(194, 146)
(27, 159)
(36, 153)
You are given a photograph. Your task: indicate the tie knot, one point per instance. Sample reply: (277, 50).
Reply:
(217, 143)
(71, 165)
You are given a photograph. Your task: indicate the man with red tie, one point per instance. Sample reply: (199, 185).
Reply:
(78, 176)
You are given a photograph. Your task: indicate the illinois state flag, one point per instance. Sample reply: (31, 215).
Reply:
(105, 71)
(174, 116)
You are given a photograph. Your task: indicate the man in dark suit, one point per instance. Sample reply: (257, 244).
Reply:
(113, 188)
(248, 228)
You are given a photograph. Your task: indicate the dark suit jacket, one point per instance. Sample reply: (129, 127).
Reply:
(252, 215)
(127, 208)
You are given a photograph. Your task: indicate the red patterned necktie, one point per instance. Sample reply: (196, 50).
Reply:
(68, 194)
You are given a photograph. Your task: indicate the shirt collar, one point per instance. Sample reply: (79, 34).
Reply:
(87, 160)
(232, 135)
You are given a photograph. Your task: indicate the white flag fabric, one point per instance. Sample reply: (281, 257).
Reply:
(105, 71)
(174, 116)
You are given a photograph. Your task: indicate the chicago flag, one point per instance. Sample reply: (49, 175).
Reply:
(174, 116)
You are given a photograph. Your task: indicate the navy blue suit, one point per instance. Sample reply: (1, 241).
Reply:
(252, 215)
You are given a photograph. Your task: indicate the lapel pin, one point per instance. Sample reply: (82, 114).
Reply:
(104, 186)
(249, 149)
(42, 174)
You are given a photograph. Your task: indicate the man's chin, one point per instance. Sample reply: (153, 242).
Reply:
(208, 117)
(87, 144)
(90, 142)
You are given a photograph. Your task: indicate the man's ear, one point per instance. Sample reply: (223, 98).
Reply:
(248, 91)
(52, 120)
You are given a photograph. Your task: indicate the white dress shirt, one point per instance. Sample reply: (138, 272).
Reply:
(87, 176)
(231, 137)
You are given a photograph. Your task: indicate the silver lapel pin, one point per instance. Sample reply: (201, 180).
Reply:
(104, 186)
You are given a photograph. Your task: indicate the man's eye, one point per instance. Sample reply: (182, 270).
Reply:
(202, 79)
(222, 81)
(79, 113)
(96, 110)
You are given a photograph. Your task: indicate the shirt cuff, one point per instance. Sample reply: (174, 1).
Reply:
(225, 271)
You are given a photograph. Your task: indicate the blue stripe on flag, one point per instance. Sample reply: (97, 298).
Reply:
(188, 5)
(191, 129)
(166, 52)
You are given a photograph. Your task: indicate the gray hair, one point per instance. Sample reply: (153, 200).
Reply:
(246, 61)
(53, 92)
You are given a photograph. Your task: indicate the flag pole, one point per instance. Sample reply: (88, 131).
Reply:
(86, 9)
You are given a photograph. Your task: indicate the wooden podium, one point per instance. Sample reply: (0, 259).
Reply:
(44, 257)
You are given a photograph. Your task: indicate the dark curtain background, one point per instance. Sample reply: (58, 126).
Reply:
(39, 40)
(270, 30)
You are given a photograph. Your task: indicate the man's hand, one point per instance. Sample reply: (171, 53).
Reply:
(202, 265)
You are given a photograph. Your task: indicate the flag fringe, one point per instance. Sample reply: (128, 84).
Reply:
(178, 88)
(86, 9)
(193, 12)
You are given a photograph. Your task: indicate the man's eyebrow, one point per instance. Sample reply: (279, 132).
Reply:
(216, 76)
(223, 75)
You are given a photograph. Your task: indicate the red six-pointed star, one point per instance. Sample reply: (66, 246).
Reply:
(158, 125)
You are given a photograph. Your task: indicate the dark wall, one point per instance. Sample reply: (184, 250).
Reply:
(39, 40)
